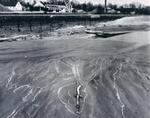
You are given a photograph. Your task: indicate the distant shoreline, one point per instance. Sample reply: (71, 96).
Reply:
(8, 17)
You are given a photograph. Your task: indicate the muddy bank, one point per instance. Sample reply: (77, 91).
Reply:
(17, 23)
(76, 75)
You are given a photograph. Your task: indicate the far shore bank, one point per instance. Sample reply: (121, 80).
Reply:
(46, 17)
(12, 23)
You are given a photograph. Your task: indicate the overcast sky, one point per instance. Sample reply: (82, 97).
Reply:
(145, 2)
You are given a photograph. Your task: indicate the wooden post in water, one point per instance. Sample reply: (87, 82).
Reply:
(50, 26)
(30, 25)
(18, 26)
(40, 31)
(1, 23)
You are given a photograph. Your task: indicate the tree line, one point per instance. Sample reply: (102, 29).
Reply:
(89, 7)
(123, 9)
(100, 9)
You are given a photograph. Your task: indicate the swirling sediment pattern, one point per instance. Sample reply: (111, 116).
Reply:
(76, 78)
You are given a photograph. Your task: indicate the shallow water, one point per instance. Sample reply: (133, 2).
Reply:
(71, 74)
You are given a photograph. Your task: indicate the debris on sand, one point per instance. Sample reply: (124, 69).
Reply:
(14, 38)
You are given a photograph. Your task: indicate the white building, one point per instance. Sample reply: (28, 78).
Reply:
(111, 11)
(38, 4)
(32, 1)
(54, 8)
(17, 7)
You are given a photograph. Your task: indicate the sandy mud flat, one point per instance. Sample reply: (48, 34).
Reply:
(71, 74)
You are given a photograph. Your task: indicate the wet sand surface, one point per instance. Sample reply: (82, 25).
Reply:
(76, 76)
